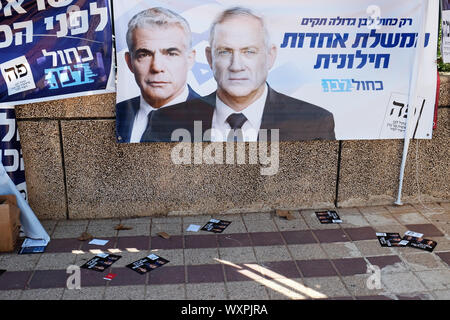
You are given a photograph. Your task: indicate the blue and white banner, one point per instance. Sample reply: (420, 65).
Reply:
(353, 58)
(52, 49)
(11, 150)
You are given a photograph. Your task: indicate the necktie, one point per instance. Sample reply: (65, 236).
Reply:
(236, 121)
(148, 129)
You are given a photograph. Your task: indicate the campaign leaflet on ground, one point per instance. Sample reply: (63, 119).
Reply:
(216, 226)
(101, 262)
(415, 240)
(390, 239)
(328, 216)
(147, 264)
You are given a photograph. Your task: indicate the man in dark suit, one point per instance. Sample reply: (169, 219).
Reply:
(160, 56)
(241, 55)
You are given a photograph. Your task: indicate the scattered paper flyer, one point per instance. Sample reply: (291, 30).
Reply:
(416, 240)
(390, 239)
(147, 264)
(328, 216)
(216, 226)
(101, 262)
(33, 246)
(284, 214)
(98, 242)
(110, 276)
(193, 228)
(164, 235)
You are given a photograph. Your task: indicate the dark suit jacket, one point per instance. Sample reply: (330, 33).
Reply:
(126, 111)
(296, 119)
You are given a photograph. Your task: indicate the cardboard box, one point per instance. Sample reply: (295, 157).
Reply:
(9, 222)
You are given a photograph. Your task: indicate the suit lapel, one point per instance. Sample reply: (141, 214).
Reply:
(267, 121)
(127, 115)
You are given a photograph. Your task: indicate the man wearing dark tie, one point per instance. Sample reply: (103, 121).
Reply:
(160, 57)
(240, 55)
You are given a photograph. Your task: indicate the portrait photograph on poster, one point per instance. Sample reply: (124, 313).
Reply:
(224, 70)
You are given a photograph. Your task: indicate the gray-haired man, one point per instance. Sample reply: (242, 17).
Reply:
(241, 55)
(160, 57)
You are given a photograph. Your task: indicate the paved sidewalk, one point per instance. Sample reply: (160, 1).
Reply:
(259, 256)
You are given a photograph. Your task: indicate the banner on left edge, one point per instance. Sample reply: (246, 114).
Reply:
(54, 49)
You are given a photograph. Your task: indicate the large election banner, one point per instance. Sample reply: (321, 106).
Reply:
(314, 69)
(445, 46)
(54, 49)
(11, 150)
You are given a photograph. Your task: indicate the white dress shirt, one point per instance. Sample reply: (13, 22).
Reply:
(141, 118)
(253, 113)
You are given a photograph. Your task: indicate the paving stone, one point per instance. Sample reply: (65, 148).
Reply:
(261, 226)
(445, 256)
(328, 286)
(200, 241)
(205, 273)
(85, 293)
(388, 264)
(55, 261)
(272, 253)
(332, 235)
(246, 290)
(174, 242)
(353, 220)
(137, 230)
(43, 279)
(237, 255)
(372, 248)
(291, 289)
(125, 293)
(63, 245)
(307, 251)
(415, 296)
(362, 233)
(201, 256)
(411, 218)
(166, 292)
(361, 285)
(298, 223)
(133, 242)
(19, 262)
(10, 294)
(279, 270)
(63, 232)
(266, 238)
(316, 268)
(234, 240)
(242, 272)
(435, 279)
(402, 282)
(175, 256)
(167, 275)
(341, 250)
(350, 266)
(439, 294)
(423, 261)
(381, 219)
(298, 237)
(428, 230)
(173, 229)
(14, 280)
(206, 291)
(42, 294)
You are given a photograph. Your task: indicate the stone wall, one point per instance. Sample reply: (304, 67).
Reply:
(75, 169)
